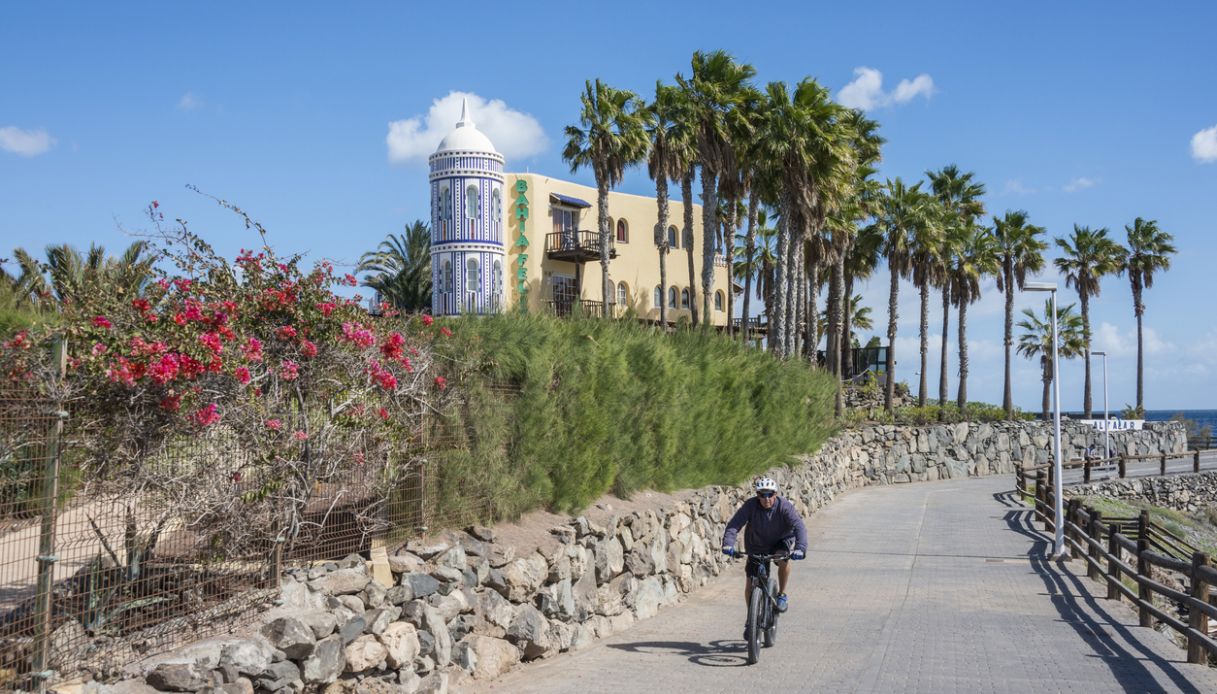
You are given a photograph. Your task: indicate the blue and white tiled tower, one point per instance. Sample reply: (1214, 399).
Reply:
(467, 247)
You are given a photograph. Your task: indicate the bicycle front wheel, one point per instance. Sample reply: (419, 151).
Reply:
(771, 616)
(755, 624)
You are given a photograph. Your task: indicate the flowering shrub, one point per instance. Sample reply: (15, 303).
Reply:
(260, 354)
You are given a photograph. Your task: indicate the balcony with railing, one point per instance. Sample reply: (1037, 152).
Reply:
(576, 246)
(581, 308)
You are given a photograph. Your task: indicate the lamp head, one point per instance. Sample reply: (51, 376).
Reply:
(1039, 287)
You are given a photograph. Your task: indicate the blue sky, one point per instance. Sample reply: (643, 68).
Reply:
(1084, 113)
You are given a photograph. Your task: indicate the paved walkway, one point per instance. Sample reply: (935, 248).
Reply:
(936, 587)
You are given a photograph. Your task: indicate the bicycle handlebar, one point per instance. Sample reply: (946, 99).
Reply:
(776, 556)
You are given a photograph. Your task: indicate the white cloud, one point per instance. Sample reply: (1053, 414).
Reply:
(1015, 186)
(26, 143)
(866, 91)
(1204, 145)
(1080, 183)
(189, 102)
(513, 133)
(1108, 338)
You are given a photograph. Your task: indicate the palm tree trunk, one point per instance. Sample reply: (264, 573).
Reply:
(1139, 309)
(942, 370)
(602, 215)
(847, 329)
(750, 250)
(709, 227)
(1007, 401)
(798, 343)
(832, 345)
(729, 243)
(893, 294)
(925, 341)
(792, 305)
(686, 191)
(962, 397)
(661, 240)
(1086, 403)
(777, 321)
(812, 329)
(837, 334)
(1047, 367)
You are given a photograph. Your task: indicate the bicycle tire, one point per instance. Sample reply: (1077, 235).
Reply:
(755, 606)
(771, 615)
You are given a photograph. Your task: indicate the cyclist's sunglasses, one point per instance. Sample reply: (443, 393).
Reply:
(766, 495)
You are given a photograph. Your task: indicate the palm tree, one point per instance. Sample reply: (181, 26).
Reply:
(976, 258)
(1089, 255)
(859, 317)
(400, 268)
(861, 262)
(1021, 251)
(760, 262)
(716, 94)
(1149, 251)
(670, 149)
(1036, 340)
(928, 261)
(960, 195)
(902, 209)
(613, 136)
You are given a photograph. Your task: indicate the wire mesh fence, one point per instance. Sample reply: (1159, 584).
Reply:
(97, 571)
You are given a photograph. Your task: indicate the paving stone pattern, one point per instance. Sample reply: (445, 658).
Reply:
(933, 587)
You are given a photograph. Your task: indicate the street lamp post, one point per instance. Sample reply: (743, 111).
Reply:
(1106, 414)
(1058, 545)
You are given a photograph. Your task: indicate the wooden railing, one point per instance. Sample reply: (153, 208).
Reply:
(1125, 465)
(1148, 555)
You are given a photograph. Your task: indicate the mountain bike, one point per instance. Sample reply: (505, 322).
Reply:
(762, 605)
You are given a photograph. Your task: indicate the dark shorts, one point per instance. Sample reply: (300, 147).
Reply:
(752, 565)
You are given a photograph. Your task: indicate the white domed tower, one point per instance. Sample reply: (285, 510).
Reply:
(467, 248)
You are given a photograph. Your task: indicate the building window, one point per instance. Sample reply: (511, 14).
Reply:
(472, 206)
(497, 280)
(496, 200)
(684, 298)
(473, 280)
(671, 297)
(446, 285)
(672, 237)
(623, 294)
(566, 221)
(718, 300)
(623, 231)
(658, 296)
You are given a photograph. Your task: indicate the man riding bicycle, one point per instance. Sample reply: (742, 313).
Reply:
(773, 526)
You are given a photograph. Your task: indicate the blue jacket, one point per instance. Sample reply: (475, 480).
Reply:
(766, 529)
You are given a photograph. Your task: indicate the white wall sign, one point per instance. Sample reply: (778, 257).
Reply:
(1115, 424)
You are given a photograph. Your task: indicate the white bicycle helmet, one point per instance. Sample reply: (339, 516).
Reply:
(765, 484)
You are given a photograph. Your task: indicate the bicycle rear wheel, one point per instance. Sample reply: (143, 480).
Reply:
(755, 624)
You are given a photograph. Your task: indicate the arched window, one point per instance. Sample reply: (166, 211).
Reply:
(497, 280)
(446, 285)
(623, 231)
(672, 237)
(623, 294)
(671, 297)
(684, 298)
(473, 279)
(472, 206)
(496, 200)
(612, 292)
(718, 300)
(658, 296)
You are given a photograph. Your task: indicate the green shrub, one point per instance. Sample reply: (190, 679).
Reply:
(592, 406)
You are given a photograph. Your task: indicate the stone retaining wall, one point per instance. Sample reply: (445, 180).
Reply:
(463, 606)
(1191, 493)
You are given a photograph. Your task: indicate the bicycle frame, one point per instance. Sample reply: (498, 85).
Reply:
(762, 604)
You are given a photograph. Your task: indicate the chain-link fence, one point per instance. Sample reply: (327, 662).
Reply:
(96, 573)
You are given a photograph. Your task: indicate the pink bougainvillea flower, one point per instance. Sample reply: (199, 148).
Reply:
(289, 370)
(427, 319)
(308, 349)
(300, 436)
(358, 334)
(99, 349)
(207, 415)
(163, 284)
(165, 369)
(253, 349)
(286, 332)
(141, 305)
(358, 457)
(243, 375)
(326, 308)
(102, 322)
(441, 382)
(274, 424)
(445, 331)
(212, 342)
(171, 403)
(183, 285)
(384, 414)
(235, 476)
(350, 279)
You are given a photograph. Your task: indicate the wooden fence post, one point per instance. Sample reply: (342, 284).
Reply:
(1123, 466)
(1144, 594)
(1086, 472)
(1196, 461)
(1093, 530)
(1113, 566)
(1196, 619)
(1163, 464)
(1041, 494)
(49, 513)
(1073, 517)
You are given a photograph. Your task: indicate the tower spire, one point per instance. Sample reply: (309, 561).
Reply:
(465, 118)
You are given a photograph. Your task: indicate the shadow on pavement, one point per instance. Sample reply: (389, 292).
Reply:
(1113, 642)
(713, 654)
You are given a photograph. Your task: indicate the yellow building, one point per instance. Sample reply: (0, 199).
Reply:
(501, 240)
(561, 258)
